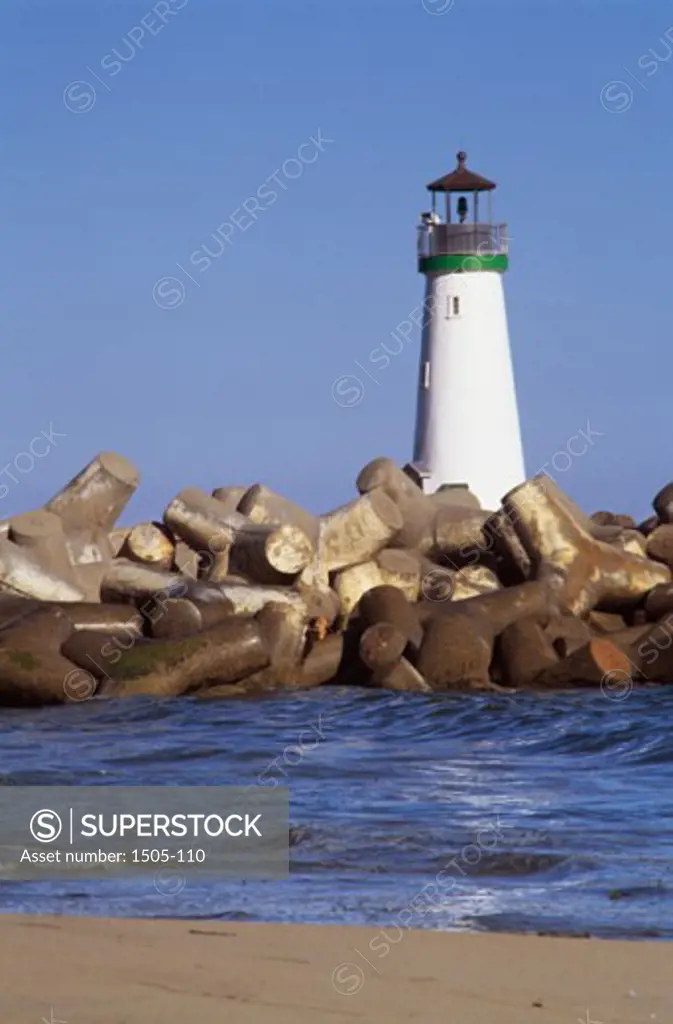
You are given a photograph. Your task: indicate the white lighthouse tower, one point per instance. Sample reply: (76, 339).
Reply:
(467, 421)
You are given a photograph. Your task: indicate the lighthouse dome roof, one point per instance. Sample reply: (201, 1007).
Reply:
(461, 179)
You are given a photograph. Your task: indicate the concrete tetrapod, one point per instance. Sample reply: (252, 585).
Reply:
(456, 495)
(186, 560)
(635, 641)
(263, 506)
(22, 573)
(95, 498)
(613, 519)
(392, 629)
(88, 507)
(179, 616)
(604, 623)
(14, 608)
(457, 647)
(456, 652)
(385, 473)
(229, 497)
(382, 646)
(41, 534)
(117, 538)
(660, 544)
(648, 525)
(586, 573)
(206, 526)
(567, 634)
(659, 602)
(388, 604)
(225, 653)
(503, 547)
(132, 583)
(401, 569)
(32, 669)
(474, 580)
(417, 511)
(524, 651)
(150, 544)
(271, 554)
(597, 663)
(321, 664)
(456, 536)
(649, 649)
(312, 585)
(90, 555)
(633, 543)
(550, 488)
(402, 677)
(351, 583)
(662, 503)
(284, 629)
(101, 618)
(247, 599)
(357, 531)
(96, 652)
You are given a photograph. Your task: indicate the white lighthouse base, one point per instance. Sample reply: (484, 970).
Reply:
(467, 425)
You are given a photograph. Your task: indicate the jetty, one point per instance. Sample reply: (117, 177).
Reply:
(242, 592)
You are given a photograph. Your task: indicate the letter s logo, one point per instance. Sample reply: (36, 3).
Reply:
(45, 826)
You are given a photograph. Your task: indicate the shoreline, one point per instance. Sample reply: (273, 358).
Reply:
(125, 971)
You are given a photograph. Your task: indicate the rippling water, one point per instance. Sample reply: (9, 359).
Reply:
(543, 813)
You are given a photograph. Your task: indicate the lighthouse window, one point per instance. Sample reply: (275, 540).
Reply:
(456, 305)
(452, 306)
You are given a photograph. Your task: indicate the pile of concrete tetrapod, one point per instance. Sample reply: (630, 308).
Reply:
(243, 592)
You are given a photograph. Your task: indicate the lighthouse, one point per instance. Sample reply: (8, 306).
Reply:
(467, 420)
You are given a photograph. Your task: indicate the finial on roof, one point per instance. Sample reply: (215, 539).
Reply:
(462, 157)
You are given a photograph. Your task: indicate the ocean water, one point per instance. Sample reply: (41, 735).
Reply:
(533, 813)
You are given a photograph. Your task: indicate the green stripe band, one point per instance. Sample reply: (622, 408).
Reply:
(493, 261)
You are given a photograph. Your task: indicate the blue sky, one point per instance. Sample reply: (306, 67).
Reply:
(116, 172)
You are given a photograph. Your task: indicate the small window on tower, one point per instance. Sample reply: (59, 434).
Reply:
(456, 306)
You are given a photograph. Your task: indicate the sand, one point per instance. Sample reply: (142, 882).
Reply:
(90, 971)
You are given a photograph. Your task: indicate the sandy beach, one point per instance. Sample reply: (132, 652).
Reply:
(116, 971)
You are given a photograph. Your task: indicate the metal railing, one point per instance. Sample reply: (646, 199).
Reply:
(454, 239)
